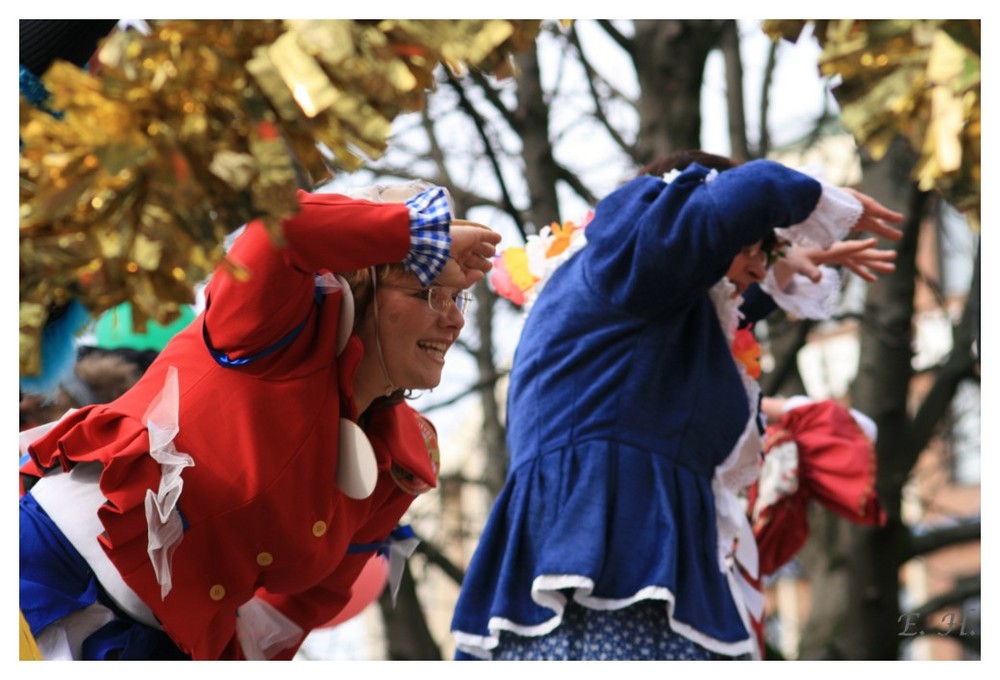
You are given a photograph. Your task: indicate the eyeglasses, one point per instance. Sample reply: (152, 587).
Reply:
(438, 297)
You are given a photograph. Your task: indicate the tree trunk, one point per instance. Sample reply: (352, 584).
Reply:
(669, 58)
(531, 122)
(730, 43)
(494, 434)
(855, 572)
(407, 636)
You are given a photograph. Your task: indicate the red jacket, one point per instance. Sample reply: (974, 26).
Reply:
(262, 514)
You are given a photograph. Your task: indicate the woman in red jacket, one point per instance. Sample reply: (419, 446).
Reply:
(222, 508)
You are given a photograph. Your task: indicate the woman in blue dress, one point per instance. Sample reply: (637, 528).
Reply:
(632, 430)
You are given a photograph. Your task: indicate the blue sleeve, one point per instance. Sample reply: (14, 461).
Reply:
(756, 305)
(653, 246)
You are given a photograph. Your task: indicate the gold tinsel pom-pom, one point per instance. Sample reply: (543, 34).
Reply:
(919, 79)
(187, 133)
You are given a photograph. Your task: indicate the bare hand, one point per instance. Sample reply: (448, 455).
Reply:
(796, 260)
(874, 217)
(772, 408)
(861, 257)
(472, 249)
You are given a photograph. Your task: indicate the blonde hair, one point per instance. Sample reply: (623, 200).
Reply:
(360, 282)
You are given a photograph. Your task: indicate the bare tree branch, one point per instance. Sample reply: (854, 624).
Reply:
(573, 180)
(480, 124)
(439, 560)
(492, 96)
(463, 196)
(764, 137)
(487, 381)
(942, 538)
(592, 76)
(436, 153)
(624, 42)
(965, 589)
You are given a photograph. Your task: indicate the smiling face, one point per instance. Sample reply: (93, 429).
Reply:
(414, 339)
(748, 267)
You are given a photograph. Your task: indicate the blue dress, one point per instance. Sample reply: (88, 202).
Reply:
(624, 400)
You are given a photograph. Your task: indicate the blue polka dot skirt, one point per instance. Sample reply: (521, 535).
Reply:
(638, 632)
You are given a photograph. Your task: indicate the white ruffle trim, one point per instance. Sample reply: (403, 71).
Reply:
(263, 630)
(779, 477)
(737, 546)
(736, 541)
(669, 177)
(727, 307)
(164, 527)
(546, 590)
(803, 298)
(834, 216)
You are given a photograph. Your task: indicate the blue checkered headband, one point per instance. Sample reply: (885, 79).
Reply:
(430, 240)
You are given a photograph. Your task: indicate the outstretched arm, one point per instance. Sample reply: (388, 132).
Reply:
(861, 257)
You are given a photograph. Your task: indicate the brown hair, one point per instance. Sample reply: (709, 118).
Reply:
(360, 281)
(679, 160)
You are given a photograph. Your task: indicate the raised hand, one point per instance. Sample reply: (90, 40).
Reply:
(472, 249)
(873, 219)
(861, 257)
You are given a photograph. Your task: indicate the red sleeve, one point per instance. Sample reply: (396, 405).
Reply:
(330, 232)
(834, 464)
(837, 463)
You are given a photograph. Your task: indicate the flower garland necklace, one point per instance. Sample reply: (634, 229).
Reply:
(520, 273)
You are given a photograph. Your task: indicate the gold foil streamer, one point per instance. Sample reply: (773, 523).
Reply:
(919, 79)
(188, 133)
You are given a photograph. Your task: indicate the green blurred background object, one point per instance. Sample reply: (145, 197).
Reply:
(114, 329)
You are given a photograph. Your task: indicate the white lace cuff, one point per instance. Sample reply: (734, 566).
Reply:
(803, 298)
(834, 216)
